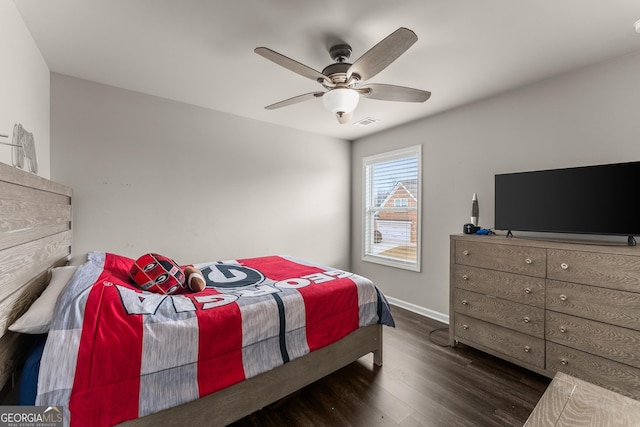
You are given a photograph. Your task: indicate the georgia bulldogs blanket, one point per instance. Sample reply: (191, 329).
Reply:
(116, 353)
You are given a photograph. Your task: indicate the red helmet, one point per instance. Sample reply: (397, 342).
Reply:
(157, 273)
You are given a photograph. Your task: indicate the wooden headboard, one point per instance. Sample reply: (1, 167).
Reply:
(35, 235)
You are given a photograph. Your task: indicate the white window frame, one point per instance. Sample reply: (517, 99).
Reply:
(370, 210)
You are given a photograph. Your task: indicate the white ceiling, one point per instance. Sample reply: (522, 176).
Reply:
(201, 52)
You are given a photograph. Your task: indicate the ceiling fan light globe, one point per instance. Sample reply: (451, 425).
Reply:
(341, 100)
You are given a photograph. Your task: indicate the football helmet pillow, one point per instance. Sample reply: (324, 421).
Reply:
(157, 273)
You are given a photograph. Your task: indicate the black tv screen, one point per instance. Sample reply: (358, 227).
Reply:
(602, 199)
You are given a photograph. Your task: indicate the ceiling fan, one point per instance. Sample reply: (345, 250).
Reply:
(342, 79)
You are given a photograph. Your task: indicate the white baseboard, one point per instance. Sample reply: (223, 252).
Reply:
(444, 318)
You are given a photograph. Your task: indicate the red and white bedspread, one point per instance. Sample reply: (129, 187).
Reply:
(116, 353)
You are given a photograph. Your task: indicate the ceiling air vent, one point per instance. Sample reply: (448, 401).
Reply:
(366, 122)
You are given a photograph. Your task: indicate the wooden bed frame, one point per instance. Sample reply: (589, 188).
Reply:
(35, 235)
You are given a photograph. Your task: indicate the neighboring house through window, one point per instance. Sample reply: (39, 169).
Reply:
(392, 208)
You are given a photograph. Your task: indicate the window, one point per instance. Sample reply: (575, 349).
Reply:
(392, 208)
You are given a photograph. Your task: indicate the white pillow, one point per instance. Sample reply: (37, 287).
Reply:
(37, 318)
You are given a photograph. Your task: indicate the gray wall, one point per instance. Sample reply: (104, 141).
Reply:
(590, 116)
(151, 174)
(24, 87)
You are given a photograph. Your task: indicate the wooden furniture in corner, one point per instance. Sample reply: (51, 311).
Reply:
(570, 402)
(550, 306)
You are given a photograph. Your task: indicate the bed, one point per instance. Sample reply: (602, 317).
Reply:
(258, 379)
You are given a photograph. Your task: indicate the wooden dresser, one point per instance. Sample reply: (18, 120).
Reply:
(550, 306)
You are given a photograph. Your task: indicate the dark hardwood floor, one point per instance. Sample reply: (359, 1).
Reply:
(423, 382)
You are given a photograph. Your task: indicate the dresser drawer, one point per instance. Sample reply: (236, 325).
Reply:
(514, 287)
(606, 305)
(509, 258)
(520, 317)
(613, 342)
(597, 269)
(615, 376)
(500, 340)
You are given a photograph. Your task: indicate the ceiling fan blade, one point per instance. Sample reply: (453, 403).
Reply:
(290, 64)
(384, 53)
(393, 93)
(344, 118)
(294, 100)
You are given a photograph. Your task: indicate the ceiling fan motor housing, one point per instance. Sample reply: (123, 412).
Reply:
(337, 72)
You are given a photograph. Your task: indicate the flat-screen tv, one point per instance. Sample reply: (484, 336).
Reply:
(601, 199)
